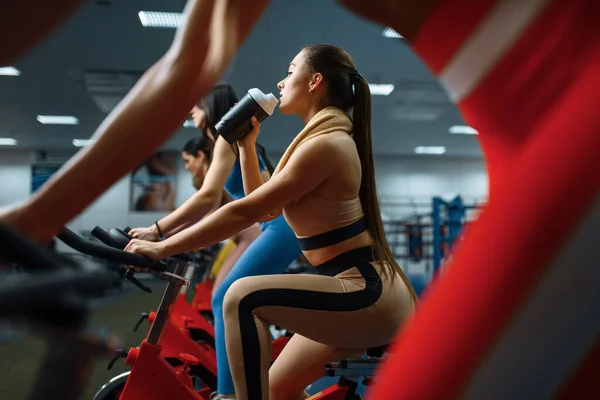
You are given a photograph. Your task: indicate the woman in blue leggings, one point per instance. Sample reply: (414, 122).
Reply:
(269, 253)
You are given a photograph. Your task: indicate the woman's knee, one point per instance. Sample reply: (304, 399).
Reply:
(235, 294)
(238, 286)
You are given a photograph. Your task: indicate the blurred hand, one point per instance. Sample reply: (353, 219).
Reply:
(19, 218)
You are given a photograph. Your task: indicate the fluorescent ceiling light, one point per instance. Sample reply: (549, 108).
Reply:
(381, 89)
(390, 33)
(83, 142)
(9, 71)
(156, 19)
(462, 130)
(189, 124)
(8, 142)
(58, 119)
(430, 149)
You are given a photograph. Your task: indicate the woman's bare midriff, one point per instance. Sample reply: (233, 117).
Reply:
(319, 256)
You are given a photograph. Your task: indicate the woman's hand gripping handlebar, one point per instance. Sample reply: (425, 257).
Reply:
(121, 240)
(119, 235)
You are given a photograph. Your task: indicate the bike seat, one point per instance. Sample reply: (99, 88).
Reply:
(357, 366)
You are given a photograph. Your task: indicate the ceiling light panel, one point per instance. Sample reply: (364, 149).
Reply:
(8, 142)
(462, 130)
(57, 119)
(430, 150)
(9, 71)
(82, 142)
(157, 19)
(380, 89)
(390, 33)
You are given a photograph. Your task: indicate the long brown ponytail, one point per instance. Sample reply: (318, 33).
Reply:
(361, 116)
(341, 77)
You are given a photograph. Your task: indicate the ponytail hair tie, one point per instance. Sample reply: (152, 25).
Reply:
(354, 77)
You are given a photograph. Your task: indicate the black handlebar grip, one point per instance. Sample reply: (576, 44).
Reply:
(120, 237)
(105, 238)
(125, 232)
(76, 242)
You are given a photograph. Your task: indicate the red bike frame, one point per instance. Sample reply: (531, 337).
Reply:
(153, 377)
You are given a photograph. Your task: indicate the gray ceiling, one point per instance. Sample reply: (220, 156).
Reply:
(110, 37)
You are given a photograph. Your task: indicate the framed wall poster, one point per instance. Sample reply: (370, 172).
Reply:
(40, 173)
(153, 185)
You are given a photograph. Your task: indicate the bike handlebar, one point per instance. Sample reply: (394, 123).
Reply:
(78, 243)
(186, 257)
(119, 239)
(107, 239)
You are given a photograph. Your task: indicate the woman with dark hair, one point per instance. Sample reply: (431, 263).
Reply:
(325, 187)
(268, 251)
(196, 155)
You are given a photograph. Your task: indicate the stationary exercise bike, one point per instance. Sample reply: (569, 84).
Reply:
(52, 302)
(175, 338)
(152, 377)
(203, 367)
(194, 320)
(48, 297)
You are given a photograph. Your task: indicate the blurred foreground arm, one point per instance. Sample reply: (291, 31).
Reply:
(152, 111)
(27, 22)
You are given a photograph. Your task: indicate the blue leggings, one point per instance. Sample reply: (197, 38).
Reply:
(271, 253)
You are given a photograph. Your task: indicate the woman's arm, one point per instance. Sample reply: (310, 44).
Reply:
(26, 28)
(308, 167)
(252, 177)
(155, 108)
(209, 197)
(251, 174)
(206, 199)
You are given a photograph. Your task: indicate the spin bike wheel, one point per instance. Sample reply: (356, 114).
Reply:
(112, 389)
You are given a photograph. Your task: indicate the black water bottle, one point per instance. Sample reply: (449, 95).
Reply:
(237, 123)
